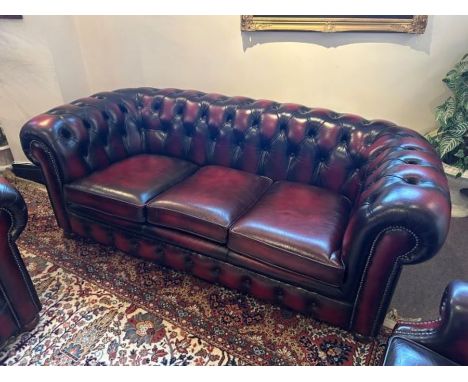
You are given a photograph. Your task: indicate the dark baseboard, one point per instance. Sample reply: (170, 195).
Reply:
(28, 171)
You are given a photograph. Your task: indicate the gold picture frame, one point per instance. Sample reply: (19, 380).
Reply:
(402, 24)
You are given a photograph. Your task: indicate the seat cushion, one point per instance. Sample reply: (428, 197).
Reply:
(405, 352)
(123, 188)
(208, 202)
(297, 227)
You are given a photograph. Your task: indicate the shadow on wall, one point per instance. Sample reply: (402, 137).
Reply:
(419, 42)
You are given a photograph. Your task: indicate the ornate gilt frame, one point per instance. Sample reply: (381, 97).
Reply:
(414, 24)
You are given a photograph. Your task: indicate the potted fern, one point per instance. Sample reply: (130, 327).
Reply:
(451, 138)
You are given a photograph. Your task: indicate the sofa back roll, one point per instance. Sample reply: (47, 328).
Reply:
(282, 141)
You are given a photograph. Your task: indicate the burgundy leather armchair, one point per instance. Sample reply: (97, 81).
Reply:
(442, 342)
(19, 304)
(305, 207)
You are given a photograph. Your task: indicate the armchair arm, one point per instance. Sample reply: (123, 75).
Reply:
(447, 335)
(401, 217)
(13, 206)
(19, 305)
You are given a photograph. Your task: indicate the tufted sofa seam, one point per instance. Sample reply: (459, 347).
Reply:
(194, 218)
(262, 261)
(292, 253)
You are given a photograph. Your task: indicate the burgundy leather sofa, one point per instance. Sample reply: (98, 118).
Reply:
(19, 304)
(305, 207)
(441, 342)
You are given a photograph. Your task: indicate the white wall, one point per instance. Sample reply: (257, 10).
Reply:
(390, 76)
(41, 66)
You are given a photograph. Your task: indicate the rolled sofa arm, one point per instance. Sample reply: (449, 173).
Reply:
(448, 335)
(71, 141)
(19, 304)
(401, 217)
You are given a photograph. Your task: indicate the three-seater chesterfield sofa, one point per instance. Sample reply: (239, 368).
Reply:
(304, 207)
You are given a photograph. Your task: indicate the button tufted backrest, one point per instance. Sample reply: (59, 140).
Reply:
(88, 134)
(282, 141)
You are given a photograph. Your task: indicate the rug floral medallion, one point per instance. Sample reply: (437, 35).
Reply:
(103, 307)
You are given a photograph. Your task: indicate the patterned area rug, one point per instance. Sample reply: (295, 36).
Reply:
(103, 307)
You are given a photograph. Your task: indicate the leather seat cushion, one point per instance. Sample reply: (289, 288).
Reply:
(208, 202)
(405, 352)
(123, 188)
(296, 227)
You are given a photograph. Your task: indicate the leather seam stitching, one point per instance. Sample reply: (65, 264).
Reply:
(287, 251)
(249, 273)
(45, 148)
(395, 267)
(287, 270)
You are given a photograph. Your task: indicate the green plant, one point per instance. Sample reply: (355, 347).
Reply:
(451, 138)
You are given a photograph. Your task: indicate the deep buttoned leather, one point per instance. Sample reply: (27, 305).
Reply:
(281, 141)
(124, 188)
(399, 205)
(207, 203)
(19, 304)
(205, 259)
(404, 352)
(297, 227)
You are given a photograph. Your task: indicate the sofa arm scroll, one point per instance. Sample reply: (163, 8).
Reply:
(401, 217)
(74, 140)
